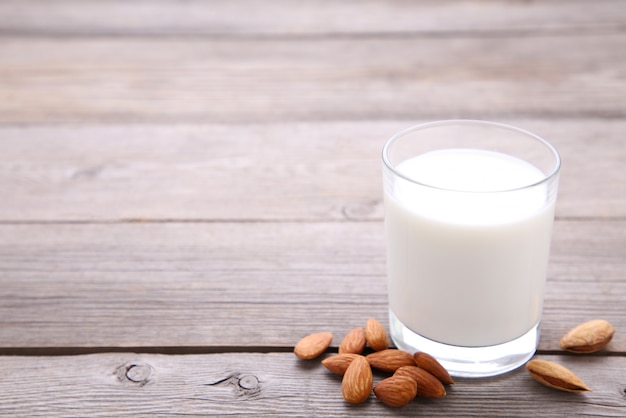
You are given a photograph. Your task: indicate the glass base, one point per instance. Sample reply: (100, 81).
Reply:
(468, 361)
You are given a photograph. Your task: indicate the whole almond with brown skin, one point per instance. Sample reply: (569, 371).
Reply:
(428, 386)
(313, 345)
(431, 365)
(555, 376)
(339, 364)
(357, 382)
(353, 342)
(376, 335)
(396, 390)
(390, 360)
(588, 337)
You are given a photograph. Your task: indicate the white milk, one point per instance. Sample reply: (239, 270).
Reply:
(467, 268)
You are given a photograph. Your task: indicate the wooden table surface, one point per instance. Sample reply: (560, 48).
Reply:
(187, 188)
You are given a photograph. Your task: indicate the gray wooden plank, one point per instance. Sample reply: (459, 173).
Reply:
(287, 171)
(276, 384)
(245, 80)
(250, 284)
(284, 17)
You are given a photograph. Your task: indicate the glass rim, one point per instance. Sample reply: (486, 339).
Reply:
(389, 165)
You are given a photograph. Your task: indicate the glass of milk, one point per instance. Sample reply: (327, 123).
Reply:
(469, 207)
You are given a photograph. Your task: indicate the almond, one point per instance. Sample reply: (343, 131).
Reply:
(396, 390)
(357, 382)
(555, 376)
(390, 360)
(588, 337)
(354, 342)
(427, 385)
(376, 335)
(431, 365)
(339, 364)
(313, 345)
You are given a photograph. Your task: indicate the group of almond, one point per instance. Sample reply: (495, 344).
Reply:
(585, 338)
(421, 375)
(412, 375)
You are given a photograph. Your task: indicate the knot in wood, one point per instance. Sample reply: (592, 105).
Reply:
(361, 211)
(243, 386)
(248, 382)
(136, 373)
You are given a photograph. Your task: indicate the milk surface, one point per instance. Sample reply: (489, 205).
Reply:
(467, 251)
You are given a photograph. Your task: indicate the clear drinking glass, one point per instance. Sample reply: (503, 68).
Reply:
(469, 208)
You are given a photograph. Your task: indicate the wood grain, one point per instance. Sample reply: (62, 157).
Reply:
(275, 384)
(199, 182)
(250, 284)
(107, 80)
(308, 17)
(258, 172)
